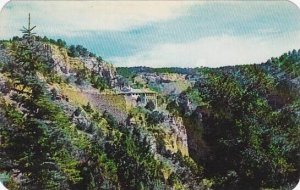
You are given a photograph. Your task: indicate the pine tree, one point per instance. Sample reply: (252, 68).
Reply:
(28, 31)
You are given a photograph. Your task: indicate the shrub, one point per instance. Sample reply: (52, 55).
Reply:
(155, 118)
(88, 108)
(150, 105)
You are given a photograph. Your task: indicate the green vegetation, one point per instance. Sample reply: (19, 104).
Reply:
(79, 50)
(241, 123)
(53, 137)
(129, 72)
(154, 118)
(150, 105)
(98, 82)
(34, 133)
(247, 123)
(39, 142)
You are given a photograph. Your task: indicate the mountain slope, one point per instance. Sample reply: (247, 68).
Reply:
(61, 128)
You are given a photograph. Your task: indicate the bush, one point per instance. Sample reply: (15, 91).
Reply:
(88, 108)
(155, 118)
(99, 58)
(81, 76)
(110, 119)
(150, 105)
(54, 93)
(61, 43)
(98, 82)
(78, 111)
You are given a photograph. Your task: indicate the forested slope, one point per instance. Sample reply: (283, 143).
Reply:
(243, 123)
(54, 137)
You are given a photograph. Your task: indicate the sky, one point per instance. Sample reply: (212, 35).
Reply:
(164, 33)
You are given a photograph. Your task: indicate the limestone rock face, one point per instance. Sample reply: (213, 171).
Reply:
(174, 137)
(65, 65)
(103, 69)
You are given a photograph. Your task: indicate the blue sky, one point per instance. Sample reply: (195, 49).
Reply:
(160, 34)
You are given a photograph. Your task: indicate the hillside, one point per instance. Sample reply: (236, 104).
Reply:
(242, 123)
(65, 125)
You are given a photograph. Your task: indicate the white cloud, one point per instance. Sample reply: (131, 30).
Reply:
(115, 15)
(63, 17)
(212, 52)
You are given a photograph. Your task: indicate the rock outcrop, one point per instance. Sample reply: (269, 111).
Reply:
(176, 137)
(102, 68)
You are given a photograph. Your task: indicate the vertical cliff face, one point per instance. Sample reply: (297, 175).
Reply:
(59, 58)
(176, 139)
(197, 147)
(193, 116)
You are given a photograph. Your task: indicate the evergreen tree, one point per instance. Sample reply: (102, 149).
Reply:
(34, 139)
(28, 31)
